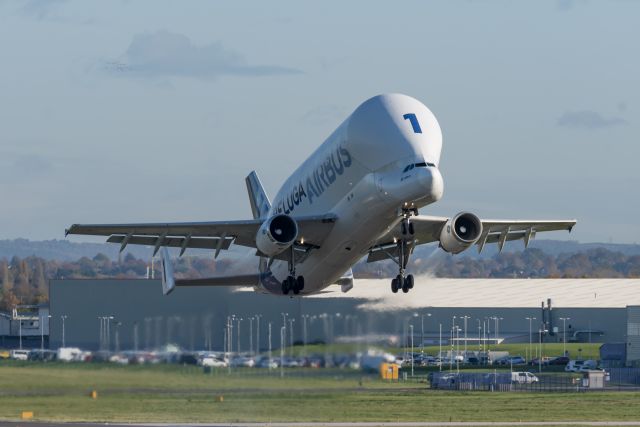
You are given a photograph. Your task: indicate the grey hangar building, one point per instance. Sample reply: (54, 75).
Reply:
(436, 311)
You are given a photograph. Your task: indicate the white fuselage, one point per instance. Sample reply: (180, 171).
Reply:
(358, 174)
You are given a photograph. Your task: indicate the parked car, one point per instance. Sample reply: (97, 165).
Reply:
(588, 365)
(510, 360)
(561, 360)
(536, 361)
(242, 362)
(523, 378)
(265, 362)
(212, 362)
(473, 360)
(19, 354)
(581, 365)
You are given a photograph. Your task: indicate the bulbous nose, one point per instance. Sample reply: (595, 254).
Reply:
(432, 183)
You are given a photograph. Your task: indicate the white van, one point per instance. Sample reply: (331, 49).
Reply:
(19, 354)
(523, 378)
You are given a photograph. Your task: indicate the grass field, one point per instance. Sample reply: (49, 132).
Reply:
(184, 394)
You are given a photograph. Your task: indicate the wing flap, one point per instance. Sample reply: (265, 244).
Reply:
(174, 242)
(499, 225)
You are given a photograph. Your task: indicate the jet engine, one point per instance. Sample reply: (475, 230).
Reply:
(276, 235)
(460, 232)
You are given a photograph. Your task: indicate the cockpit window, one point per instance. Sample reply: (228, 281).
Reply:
(418, 165)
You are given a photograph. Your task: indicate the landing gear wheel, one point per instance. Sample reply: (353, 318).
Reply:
(285, 286)
(300, 283)
(408, 281)
(394, 286)
(405, 289)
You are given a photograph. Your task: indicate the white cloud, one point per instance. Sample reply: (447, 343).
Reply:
(588, 119)
(166, 54)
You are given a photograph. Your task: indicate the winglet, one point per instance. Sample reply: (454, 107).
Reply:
(168, 282)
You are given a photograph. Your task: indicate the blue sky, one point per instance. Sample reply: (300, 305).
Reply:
(156, 110)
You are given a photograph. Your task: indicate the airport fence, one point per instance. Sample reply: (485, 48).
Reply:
(610, 380)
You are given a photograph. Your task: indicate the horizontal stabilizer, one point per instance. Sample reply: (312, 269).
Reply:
(241, 280)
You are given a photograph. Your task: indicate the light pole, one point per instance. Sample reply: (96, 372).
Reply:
(20, 331)
(422, 332)
(63, 317)
(412, 358)
(118, 324)
(251, 335)
(540, 344)
(291, 333)
(458, 349)
(230, 336)
(304, 332)
(484, 333)
(135, 338)
(283, 329)
(479, 336)
(465, 334)
(42, 332)
(100, 333)
(284, 324)
(109, 319)
(440, 354)
(258, 316)
(269, 343)
(564, 334)
(530, 344)
(453, 326)
(239, 319)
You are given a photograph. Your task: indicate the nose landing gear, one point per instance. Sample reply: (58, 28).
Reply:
(404, 250)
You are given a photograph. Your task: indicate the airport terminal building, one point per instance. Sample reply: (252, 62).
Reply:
(138, 316)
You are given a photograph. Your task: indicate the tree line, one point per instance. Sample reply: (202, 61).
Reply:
(25, 280)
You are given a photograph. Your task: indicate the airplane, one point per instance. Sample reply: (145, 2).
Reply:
(358, 194)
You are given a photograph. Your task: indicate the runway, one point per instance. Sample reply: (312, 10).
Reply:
(321, 424)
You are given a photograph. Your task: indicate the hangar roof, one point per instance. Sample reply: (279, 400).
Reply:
(434, 292)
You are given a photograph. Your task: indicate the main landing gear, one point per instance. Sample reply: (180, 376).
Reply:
(400, 282)
(405, 246)
(292, 283)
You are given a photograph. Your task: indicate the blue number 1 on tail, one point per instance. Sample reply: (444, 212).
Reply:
(414, 122)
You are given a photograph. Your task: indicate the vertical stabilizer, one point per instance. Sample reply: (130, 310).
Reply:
(260, 204)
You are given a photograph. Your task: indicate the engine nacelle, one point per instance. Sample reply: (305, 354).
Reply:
(276, 235)
(460, 232)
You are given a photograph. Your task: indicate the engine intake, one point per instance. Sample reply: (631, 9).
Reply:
(276, 235)
(460, 232)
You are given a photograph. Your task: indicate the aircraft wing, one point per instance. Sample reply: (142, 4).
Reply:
(216, 235)
(427, 229)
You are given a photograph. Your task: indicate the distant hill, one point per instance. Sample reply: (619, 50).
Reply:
(65, 250)
(549, 247)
